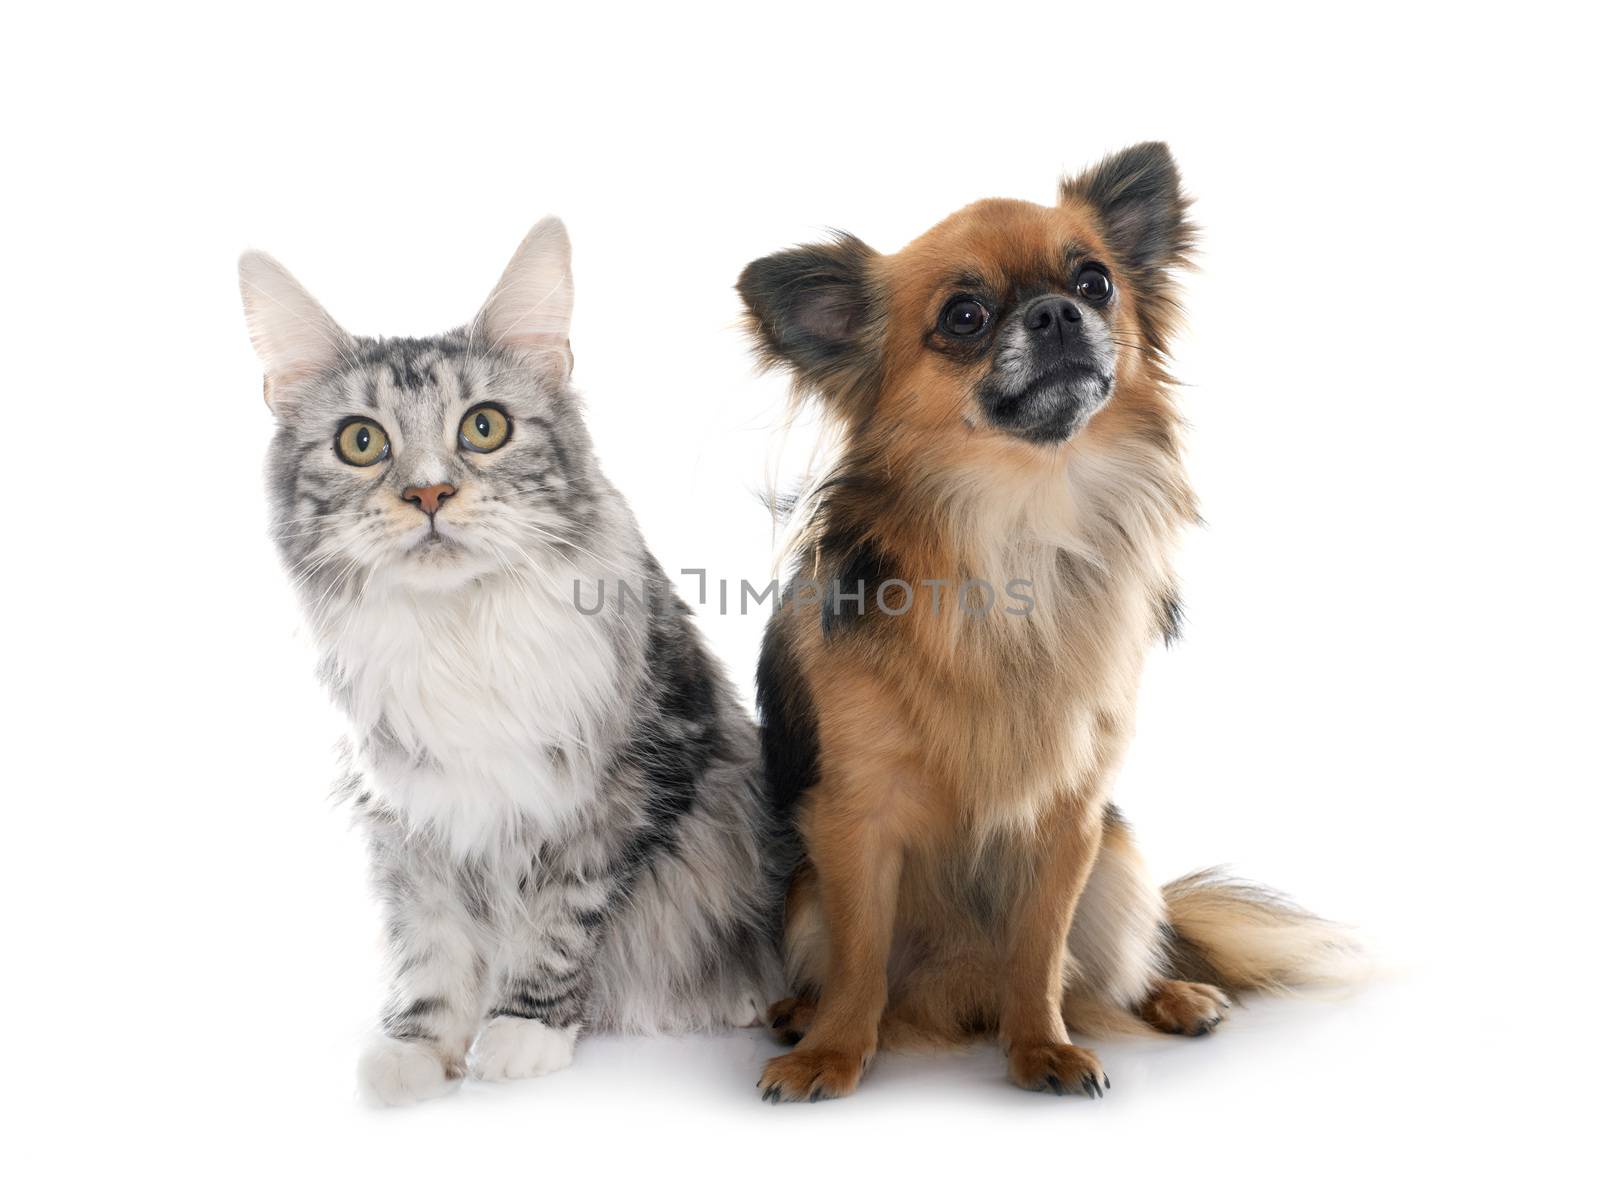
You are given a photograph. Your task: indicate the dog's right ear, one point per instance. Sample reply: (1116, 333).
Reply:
(813, 310)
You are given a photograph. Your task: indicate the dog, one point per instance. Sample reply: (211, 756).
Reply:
(1007, 425)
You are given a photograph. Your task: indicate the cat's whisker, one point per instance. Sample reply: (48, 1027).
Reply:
(300, 582)
(334, 584)
(520, 579)
(555, 538)
(522, 574)
(313, 518)
(306, 534)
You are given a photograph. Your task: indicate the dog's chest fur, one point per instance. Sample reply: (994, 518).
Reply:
(1023, 709)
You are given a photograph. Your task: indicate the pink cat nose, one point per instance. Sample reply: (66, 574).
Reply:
(428, 497)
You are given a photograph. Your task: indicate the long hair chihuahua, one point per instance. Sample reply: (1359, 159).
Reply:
(945, 712)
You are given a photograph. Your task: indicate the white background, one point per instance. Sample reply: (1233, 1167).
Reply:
(1384, 703)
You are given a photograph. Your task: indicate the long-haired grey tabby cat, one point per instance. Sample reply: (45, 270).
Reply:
(565, 823)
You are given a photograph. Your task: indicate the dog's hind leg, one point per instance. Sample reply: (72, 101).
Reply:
(1118, 952)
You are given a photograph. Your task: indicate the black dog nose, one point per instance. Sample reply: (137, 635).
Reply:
(1051, 312)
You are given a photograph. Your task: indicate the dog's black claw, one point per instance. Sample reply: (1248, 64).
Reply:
(772, 1093)
(1106, 1080)
(789, 1038)
(1091, 1086)
(1053, 1083)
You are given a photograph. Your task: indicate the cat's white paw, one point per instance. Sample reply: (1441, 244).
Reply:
(515, 1047)
(746, 1012)
(392, 1073)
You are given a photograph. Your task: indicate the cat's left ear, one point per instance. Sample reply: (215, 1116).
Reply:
(530, 310)
(294, 336)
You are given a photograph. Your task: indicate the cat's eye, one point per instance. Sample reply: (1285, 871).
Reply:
(361, 442)
(485, 428)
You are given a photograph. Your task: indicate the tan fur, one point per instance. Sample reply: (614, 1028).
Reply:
(963, 874)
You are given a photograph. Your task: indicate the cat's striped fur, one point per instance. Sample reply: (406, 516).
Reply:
(562, 806)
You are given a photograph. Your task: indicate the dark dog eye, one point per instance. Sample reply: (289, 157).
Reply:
(1094, 285)
(964, 317)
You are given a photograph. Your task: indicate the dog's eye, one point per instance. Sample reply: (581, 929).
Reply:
(1094, 285)
(964, 317)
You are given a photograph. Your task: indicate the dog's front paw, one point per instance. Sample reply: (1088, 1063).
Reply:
(517, 1047)
(393, 1073)
(812, 1074)
(1061, 1068)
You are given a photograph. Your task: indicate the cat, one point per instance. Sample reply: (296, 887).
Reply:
(562, 801)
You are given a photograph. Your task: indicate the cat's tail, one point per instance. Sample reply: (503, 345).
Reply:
(1243, 937)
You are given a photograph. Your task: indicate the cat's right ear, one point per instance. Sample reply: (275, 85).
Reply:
(294, 336)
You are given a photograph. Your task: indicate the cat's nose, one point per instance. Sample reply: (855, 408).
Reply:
(428, 497)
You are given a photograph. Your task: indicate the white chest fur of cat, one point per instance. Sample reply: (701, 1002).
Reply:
(490, 701)
(563, 805)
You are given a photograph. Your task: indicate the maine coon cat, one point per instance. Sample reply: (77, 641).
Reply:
(562, 801)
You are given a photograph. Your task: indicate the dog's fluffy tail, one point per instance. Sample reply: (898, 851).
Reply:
(1246, 938)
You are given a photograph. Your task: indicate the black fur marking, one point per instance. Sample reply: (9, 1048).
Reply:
(674, 748)
(788, 721)
(851, 599)
(406, 1024)
(426, 1006)
(544, 1000)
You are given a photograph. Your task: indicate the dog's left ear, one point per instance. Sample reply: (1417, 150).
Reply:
(1139, 199)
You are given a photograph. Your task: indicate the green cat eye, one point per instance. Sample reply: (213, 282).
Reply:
(361, 442)
(485, 428)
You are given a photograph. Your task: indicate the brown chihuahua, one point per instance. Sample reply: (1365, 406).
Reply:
(945, 712)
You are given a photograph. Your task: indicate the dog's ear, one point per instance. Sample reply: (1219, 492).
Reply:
(813, 310)
(1139, 200)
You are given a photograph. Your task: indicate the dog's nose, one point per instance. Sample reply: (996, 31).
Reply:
(1051, 312)
(428, 497)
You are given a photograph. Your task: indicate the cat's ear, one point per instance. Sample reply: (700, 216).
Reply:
(530, 310)
(294, 336)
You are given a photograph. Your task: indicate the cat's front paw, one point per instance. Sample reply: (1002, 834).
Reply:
(516, 1047)
(393, 1073)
